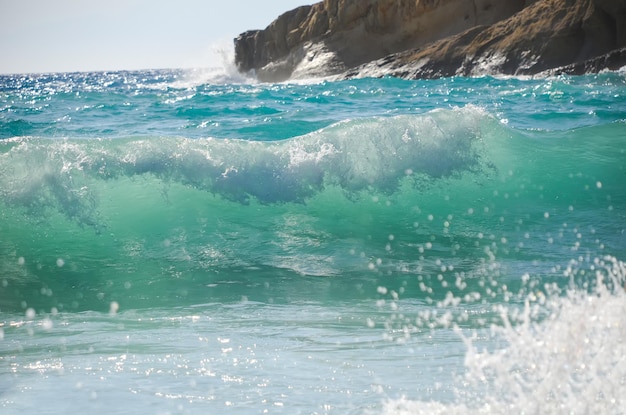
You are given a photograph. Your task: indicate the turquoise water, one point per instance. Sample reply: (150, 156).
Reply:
(179, 242)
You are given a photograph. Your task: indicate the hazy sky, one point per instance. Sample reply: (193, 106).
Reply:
(84, 35)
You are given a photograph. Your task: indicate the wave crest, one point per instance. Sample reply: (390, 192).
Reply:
(356, 155)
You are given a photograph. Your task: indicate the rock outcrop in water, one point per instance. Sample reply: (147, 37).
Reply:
(434, 38)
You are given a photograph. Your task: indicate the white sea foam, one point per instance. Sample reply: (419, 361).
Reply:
(355, 155)
(563, 353)
(315, 63)
(223, 74)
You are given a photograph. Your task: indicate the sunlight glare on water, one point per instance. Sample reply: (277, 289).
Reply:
(186, 242)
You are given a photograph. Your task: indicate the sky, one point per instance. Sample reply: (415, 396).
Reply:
(88, 35)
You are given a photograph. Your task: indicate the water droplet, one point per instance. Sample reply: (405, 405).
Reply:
(114, 307)
(47, 324)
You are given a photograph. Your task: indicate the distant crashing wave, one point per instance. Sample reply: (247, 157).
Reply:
(356, 155)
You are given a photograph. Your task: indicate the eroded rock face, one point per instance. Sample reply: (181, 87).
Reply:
(434, 38)
(332, 36)
(548, 34)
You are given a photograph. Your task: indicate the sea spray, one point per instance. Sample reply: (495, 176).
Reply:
(560, 352)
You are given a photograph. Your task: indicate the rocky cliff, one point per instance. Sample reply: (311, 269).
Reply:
(433, 38)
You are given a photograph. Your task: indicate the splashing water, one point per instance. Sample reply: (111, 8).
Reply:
(561, 352)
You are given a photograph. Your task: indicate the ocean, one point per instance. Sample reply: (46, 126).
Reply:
(195, 242)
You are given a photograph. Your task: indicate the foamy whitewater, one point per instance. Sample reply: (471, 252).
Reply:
(196, 242)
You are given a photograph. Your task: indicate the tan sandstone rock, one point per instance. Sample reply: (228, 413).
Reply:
(335, 35)
(433, 38)
(548, 34)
